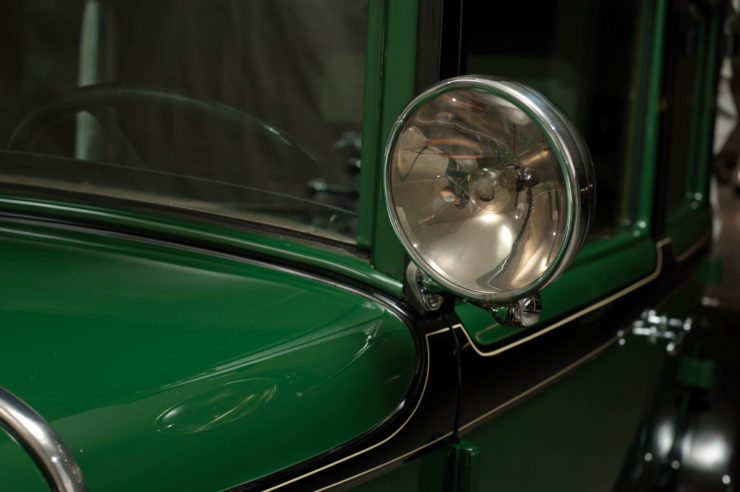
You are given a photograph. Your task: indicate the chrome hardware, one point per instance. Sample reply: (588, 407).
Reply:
(421, 288)
(40, 441)
(522, 313)
(660, 327)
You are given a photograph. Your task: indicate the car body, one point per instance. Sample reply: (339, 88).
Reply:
(196, 297)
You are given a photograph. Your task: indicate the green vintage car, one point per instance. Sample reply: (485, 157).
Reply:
(390, 245)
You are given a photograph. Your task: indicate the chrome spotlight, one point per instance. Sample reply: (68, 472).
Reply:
(490, 189)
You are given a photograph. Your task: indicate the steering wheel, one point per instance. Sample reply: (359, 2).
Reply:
(95, 98)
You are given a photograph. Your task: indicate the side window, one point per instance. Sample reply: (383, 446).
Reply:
(686, 105)
(594, 60)
(683, 89)
(583, 55)
(250, 110)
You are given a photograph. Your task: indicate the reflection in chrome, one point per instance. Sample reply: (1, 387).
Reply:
(419, 286)
(46, 448)
(521, 313)
(489, 188)
(656, 327)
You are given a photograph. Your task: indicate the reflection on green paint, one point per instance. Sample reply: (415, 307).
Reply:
(178, 369)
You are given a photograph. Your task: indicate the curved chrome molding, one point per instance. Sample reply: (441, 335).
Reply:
(35, 434)
(645, 280)
(370, 448)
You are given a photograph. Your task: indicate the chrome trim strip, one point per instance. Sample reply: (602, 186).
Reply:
(645, 280)
(44, 445)
(377, 444)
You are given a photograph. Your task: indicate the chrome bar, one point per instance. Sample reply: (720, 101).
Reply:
(35, 434)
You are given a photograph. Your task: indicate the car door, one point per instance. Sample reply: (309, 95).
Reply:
(562, 405)
(674, 449)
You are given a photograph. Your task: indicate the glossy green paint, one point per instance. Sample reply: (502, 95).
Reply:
(576, 434)
(166, 368)
(688, 225)
(690, 222)
(602, 274)
(464, 467)
(371, 113)
(697, 174)
(709, 271)
(585, 430)
(697, 373)
(599, 271)
(397, 81)
(652, 114)
(333, 259)
(695, 163)
(706, 139)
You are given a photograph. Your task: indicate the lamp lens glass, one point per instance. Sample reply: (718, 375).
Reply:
(479, 193)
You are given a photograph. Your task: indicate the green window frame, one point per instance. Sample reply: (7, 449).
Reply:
(688, 219)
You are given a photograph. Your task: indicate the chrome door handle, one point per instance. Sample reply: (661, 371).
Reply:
(657, 327)
(46, 448)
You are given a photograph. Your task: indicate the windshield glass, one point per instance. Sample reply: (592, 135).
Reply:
(241, 109)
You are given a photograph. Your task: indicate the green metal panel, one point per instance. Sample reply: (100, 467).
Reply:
(576, 434)
(318, 255)
(706, 138)
(694, 372)
(585, 430)
(465, 467)
(600, 270)
(652, 115)
(709, 271)
(397, 80)
(371, 112)
(689, 223)
(163, 368)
